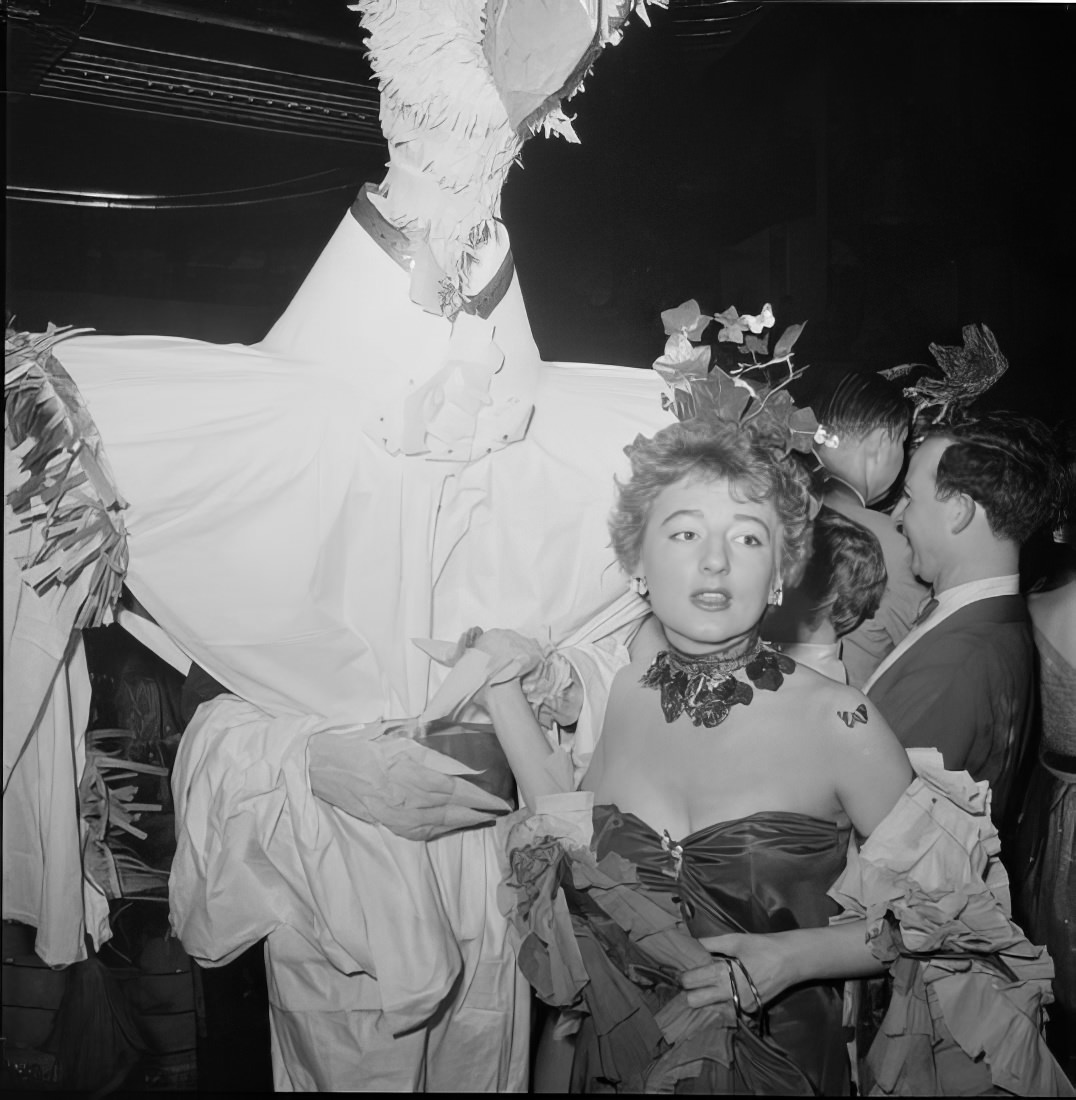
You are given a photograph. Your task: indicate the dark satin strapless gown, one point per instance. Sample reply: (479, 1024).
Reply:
(768, 872)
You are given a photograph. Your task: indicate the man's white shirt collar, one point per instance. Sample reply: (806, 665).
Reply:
(949, 602)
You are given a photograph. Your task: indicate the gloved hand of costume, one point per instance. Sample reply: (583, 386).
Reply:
(394, 781)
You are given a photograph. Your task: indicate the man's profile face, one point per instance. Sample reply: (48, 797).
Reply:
(923, 517)
(890, 461)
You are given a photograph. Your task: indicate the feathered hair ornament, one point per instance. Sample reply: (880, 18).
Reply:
(966, 374)
(746, 395)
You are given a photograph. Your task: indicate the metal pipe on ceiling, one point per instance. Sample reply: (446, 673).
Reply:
(171, 9)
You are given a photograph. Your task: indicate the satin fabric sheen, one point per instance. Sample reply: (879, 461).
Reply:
(768, 872)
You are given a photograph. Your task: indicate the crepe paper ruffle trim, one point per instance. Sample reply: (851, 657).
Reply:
(672, 1041)
(64, 484)
(934, 893)
(450, 137)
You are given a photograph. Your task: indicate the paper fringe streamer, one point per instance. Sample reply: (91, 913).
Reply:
(110, 813)
(64, 483)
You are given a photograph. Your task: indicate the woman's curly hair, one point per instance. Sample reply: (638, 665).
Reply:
(752, 461)
(845, 576)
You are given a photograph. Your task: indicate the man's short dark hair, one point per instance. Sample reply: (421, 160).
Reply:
(862, 402)
(1007, 464)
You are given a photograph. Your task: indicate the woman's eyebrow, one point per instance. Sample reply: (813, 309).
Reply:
(755, 519)
(695, 513)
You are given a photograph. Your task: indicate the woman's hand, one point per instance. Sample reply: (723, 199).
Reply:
(778, 960)
(546, 677)
(768, 960)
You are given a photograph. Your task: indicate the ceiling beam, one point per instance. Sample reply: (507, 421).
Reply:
(176, 9)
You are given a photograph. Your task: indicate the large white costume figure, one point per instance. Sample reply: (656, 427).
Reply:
(394, 461)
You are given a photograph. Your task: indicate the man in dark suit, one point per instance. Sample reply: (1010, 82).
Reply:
(963, 679)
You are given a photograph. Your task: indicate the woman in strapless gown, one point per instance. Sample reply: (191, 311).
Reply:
(763, 873)
(726, 784)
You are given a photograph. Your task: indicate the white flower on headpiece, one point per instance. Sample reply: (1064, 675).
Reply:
(734, 325)
(826, 438)
(760, 321)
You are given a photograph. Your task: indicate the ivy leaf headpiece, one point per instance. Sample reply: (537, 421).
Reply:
(697, 389)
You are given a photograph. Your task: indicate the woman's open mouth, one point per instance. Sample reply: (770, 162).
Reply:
(712, 599)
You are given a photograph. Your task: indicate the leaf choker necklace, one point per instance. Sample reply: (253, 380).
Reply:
(703, 686)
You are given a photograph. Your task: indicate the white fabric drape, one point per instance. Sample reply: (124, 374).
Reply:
(284, 541)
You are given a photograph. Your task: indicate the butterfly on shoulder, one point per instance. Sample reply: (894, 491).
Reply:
(850, 718)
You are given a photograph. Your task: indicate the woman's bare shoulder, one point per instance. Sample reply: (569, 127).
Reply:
(623, 699)
(827, 707)
(853, 743)
(649, 639)
(813, 687)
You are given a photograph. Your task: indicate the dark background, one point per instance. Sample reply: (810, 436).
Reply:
(889, 172)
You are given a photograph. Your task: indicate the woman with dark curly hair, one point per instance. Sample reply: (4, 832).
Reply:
(841, 588)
